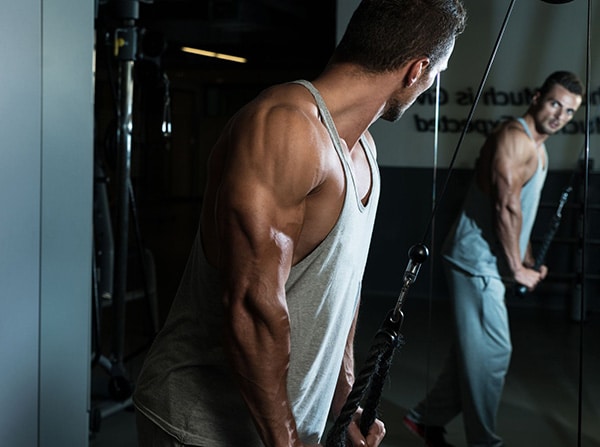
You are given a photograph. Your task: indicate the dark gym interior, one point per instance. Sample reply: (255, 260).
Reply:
(144, 223)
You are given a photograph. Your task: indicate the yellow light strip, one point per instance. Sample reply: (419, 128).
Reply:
(226, 57)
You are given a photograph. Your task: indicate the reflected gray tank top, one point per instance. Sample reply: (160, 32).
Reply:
(472, 244)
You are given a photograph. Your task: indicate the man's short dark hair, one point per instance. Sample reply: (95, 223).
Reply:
(383, 35)
(565, 78)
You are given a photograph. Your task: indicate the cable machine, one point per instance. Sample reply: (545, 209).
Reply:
(116, 219)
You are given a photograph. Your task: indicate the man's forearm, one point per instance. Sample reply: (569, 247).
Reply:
(265, 393)
(259, 350)
(508, 230)
(529, 260)
(346, 375)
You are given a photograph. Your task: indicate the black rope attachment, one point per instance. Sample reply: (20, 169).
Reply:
(367, 389)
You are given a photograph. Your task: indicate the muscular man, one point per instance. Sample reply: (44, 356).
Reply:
(257, 347)
(489, 245)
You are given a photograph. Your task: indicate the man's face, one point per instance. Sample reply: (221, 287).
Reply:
(555, 109)
(398, 106)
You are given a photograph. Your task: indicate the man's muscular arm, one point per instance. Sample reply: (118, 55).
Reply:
(343, 389)
(346, 376)
(259, 212)
(514, 162)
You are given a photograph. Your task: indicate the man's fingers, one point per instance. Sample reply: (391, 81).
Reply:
(376, 434)
(373, 439)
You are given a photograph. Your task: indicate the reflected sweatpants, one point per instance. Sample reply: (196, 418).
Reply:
(473, 375)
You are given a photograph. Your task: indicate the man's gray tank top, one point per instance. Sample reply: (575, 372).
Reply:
(185, 385)
(472, 244)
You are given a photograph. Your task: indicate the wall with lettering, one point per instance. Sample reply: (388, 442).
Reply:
(539, 38)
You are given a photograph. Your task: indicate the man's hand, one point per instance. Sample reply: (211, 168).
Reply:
(373, 438)
(530, 278)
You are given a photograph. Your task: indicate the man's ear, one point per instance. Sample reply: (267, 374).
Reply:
(415, 69)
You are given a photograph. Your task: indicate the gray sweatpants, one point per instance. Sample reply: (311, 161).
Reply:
(473, 375)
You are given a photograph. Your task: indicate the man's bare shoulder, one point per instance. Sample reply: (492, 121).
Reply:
(282, 101)
(511, 138)
(279, 136)
(282, 121)
(510, 128)
(514, 152)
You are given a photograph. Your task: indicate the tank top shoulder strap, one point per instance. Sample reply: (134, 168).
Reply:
(324, 111)
(335, 138)
(541, 166)
(525, 127)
